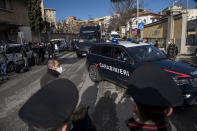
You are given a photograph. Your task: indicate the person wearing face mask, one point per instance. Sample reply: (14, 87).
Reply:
(54, 70)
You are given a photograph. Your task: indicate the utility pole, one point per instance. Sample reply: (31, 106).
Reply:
(187, 16)
(187, 4)
(137, 14)
(137, 9)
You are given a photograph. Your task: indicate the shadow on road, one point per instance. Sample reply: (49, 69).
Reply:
(68, 60)
(185, 119)
(104, 114)
(89, 96)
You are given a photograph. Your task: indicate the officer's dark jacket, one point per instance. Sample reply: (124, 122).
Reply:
(3, 57)
(134, 126)
(23, 52)
(48, 77)
(172, 50)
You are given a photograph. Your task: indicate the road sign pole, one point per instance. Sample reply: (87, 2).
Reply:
(142, 34)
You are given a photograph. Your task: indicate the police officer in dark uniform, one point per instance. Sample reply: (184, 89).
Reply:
(155, 94)
(50, 108)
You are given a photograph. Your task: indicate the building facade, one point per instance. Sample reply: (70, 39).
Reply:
(50, 16)
(145, 17)
(192, 14)
(14, 19)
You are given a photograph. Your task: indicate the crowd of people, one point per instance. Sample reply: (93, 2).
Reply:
(38, 55)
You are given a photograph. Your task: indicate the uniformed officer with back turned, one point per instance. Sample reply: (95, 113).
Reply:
(155, 94)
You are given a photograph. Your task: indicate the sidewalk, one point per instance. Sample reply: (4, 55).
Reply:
(191, 59)
(185, 57)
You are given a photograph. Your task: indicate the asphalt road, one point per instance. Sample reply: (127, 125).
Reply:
(108, 108)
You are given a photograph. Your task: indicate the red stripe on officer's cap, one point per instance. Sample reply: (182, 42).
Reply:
(146, 127)
(179, 74)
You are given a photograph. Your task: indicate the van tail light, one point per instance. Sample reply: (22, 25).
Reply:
(80, 41)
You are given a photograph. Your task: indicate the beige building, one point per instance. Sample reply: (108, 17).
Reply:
(14, 19)
(42, 9)
(50, 16)
(192, 14)
(73, 24)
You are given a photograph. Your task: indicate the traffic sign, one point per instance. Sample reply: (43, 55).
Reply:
(140, 26)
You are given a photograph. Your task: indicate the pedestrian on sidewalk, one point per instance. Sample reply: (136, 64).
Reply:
(53, 72)
(36, 53)
(53, 49)
(58, 46)
(43, 51)
(157, 44)
(145, 40)
(25, 58)
(196, 54)
(49, 50)
(155, 95)
(3, 63)
(172, 50)
(51, 108)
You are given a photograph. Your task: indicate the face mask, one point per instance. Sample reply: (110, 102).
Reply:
(168, 42)
(59, 69)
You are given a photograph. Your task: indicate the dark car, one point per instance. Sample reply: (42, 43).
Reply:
(82, 47)
(116, 62)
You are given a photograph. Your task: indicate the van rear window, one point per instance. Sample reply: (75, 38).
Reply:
(102, 50)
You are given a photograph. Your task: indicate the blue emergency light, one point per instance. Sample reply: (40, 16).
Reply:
(114, 40)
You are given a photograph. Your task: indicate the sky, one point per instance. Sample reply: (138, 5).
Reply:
(86, 9)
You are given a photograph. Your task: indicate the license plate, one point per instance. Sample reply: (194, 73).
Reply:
(84, 54)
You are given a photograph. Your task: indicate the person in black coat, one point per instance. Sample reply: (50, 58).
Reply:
(172, 50)
(54, 70)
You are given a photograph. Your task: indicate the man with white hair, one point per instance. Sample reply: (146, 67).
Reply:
(54, 70)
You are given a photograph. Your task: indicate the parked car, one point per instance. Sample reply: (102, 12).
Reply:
(15, 60)
(63, 45)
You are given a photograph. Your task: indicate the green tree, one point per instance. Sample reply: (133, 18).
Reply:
(35, 15)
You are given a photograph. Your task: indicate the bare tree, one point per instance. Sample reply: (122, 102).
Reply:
(114, 23)
(123, 7)
(123, 10)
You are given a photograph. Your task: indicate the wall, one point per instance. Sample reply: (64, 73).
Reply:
(156, 31)
(18, 15)
(186, 49)
(27, 33)
(177, 32)
(192, 14)
(177, 28)
(12, 18)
